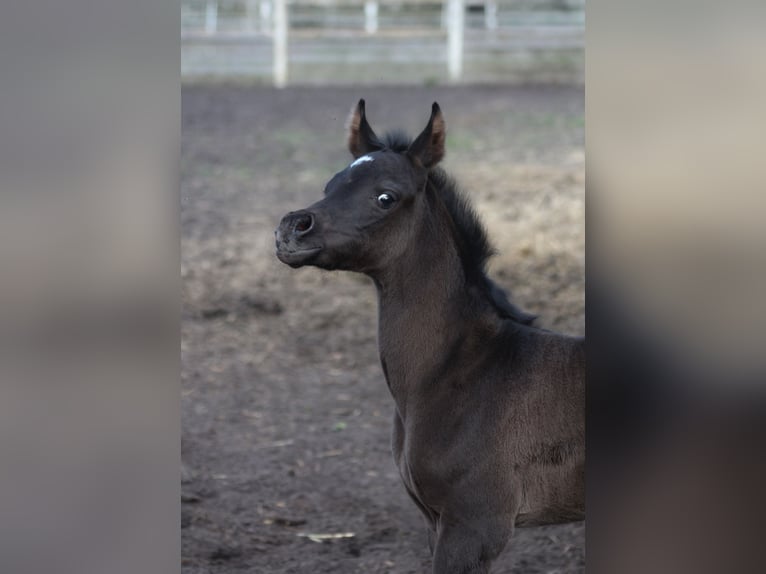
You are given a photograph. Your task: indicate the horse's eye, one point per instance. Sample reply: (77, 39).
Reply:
(386, 200)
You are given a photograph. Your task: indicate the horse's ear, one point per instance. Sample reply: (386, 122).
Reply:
(361, 139)
(428, 147)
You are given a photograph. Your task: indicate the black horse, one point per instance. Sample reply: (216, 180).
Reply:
(489, 424)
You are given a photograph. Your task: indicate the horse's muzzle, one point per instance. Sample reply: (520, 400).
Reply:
(290, 244)
(297, 223)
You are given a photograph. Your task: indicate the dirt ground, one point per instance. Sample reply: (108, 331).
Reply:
(286, 416)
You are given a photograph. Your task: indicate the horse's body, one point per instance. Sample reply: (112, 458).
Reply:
(489, 428)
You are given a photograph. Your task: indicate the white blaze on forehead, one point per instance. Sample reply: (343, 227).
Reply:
(362, 159)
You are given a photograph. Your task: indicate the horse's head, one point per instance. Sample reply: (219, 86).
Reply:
(366, 219)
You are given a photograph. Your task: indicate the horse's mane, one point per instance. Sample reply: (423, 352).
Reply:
(473, 243)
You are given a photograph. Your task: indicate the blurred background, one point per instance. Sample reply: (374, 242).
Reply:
(285, 413)
(392, 41)
(286, 417)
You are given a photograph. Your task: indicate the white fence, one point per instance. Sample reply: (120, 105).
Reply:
(351, 41)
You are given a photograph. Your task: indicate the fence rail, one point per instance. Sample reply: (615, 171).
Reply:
(349, 41)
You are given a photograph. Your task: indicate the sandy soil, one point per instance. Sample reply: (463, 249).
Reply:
(286, 417)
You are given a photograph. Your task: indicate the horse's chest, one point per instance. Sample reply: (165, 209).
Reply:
(422, 484)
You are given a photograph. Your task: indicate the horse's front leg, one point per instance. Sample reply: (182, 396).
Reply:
(431, 537)
(464, 549)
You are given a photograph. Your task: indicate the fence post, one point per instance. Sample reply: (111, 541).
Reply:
(211, 17)
(455, 26)
(490, 14)
(280, 43)
(371, 16)
(264, 13)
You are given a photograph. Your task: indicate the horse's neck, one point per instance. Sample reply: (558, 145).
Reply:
(423, 314)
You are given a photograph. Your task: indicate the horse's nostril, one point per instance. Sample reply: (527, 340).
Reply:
(304, 223)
